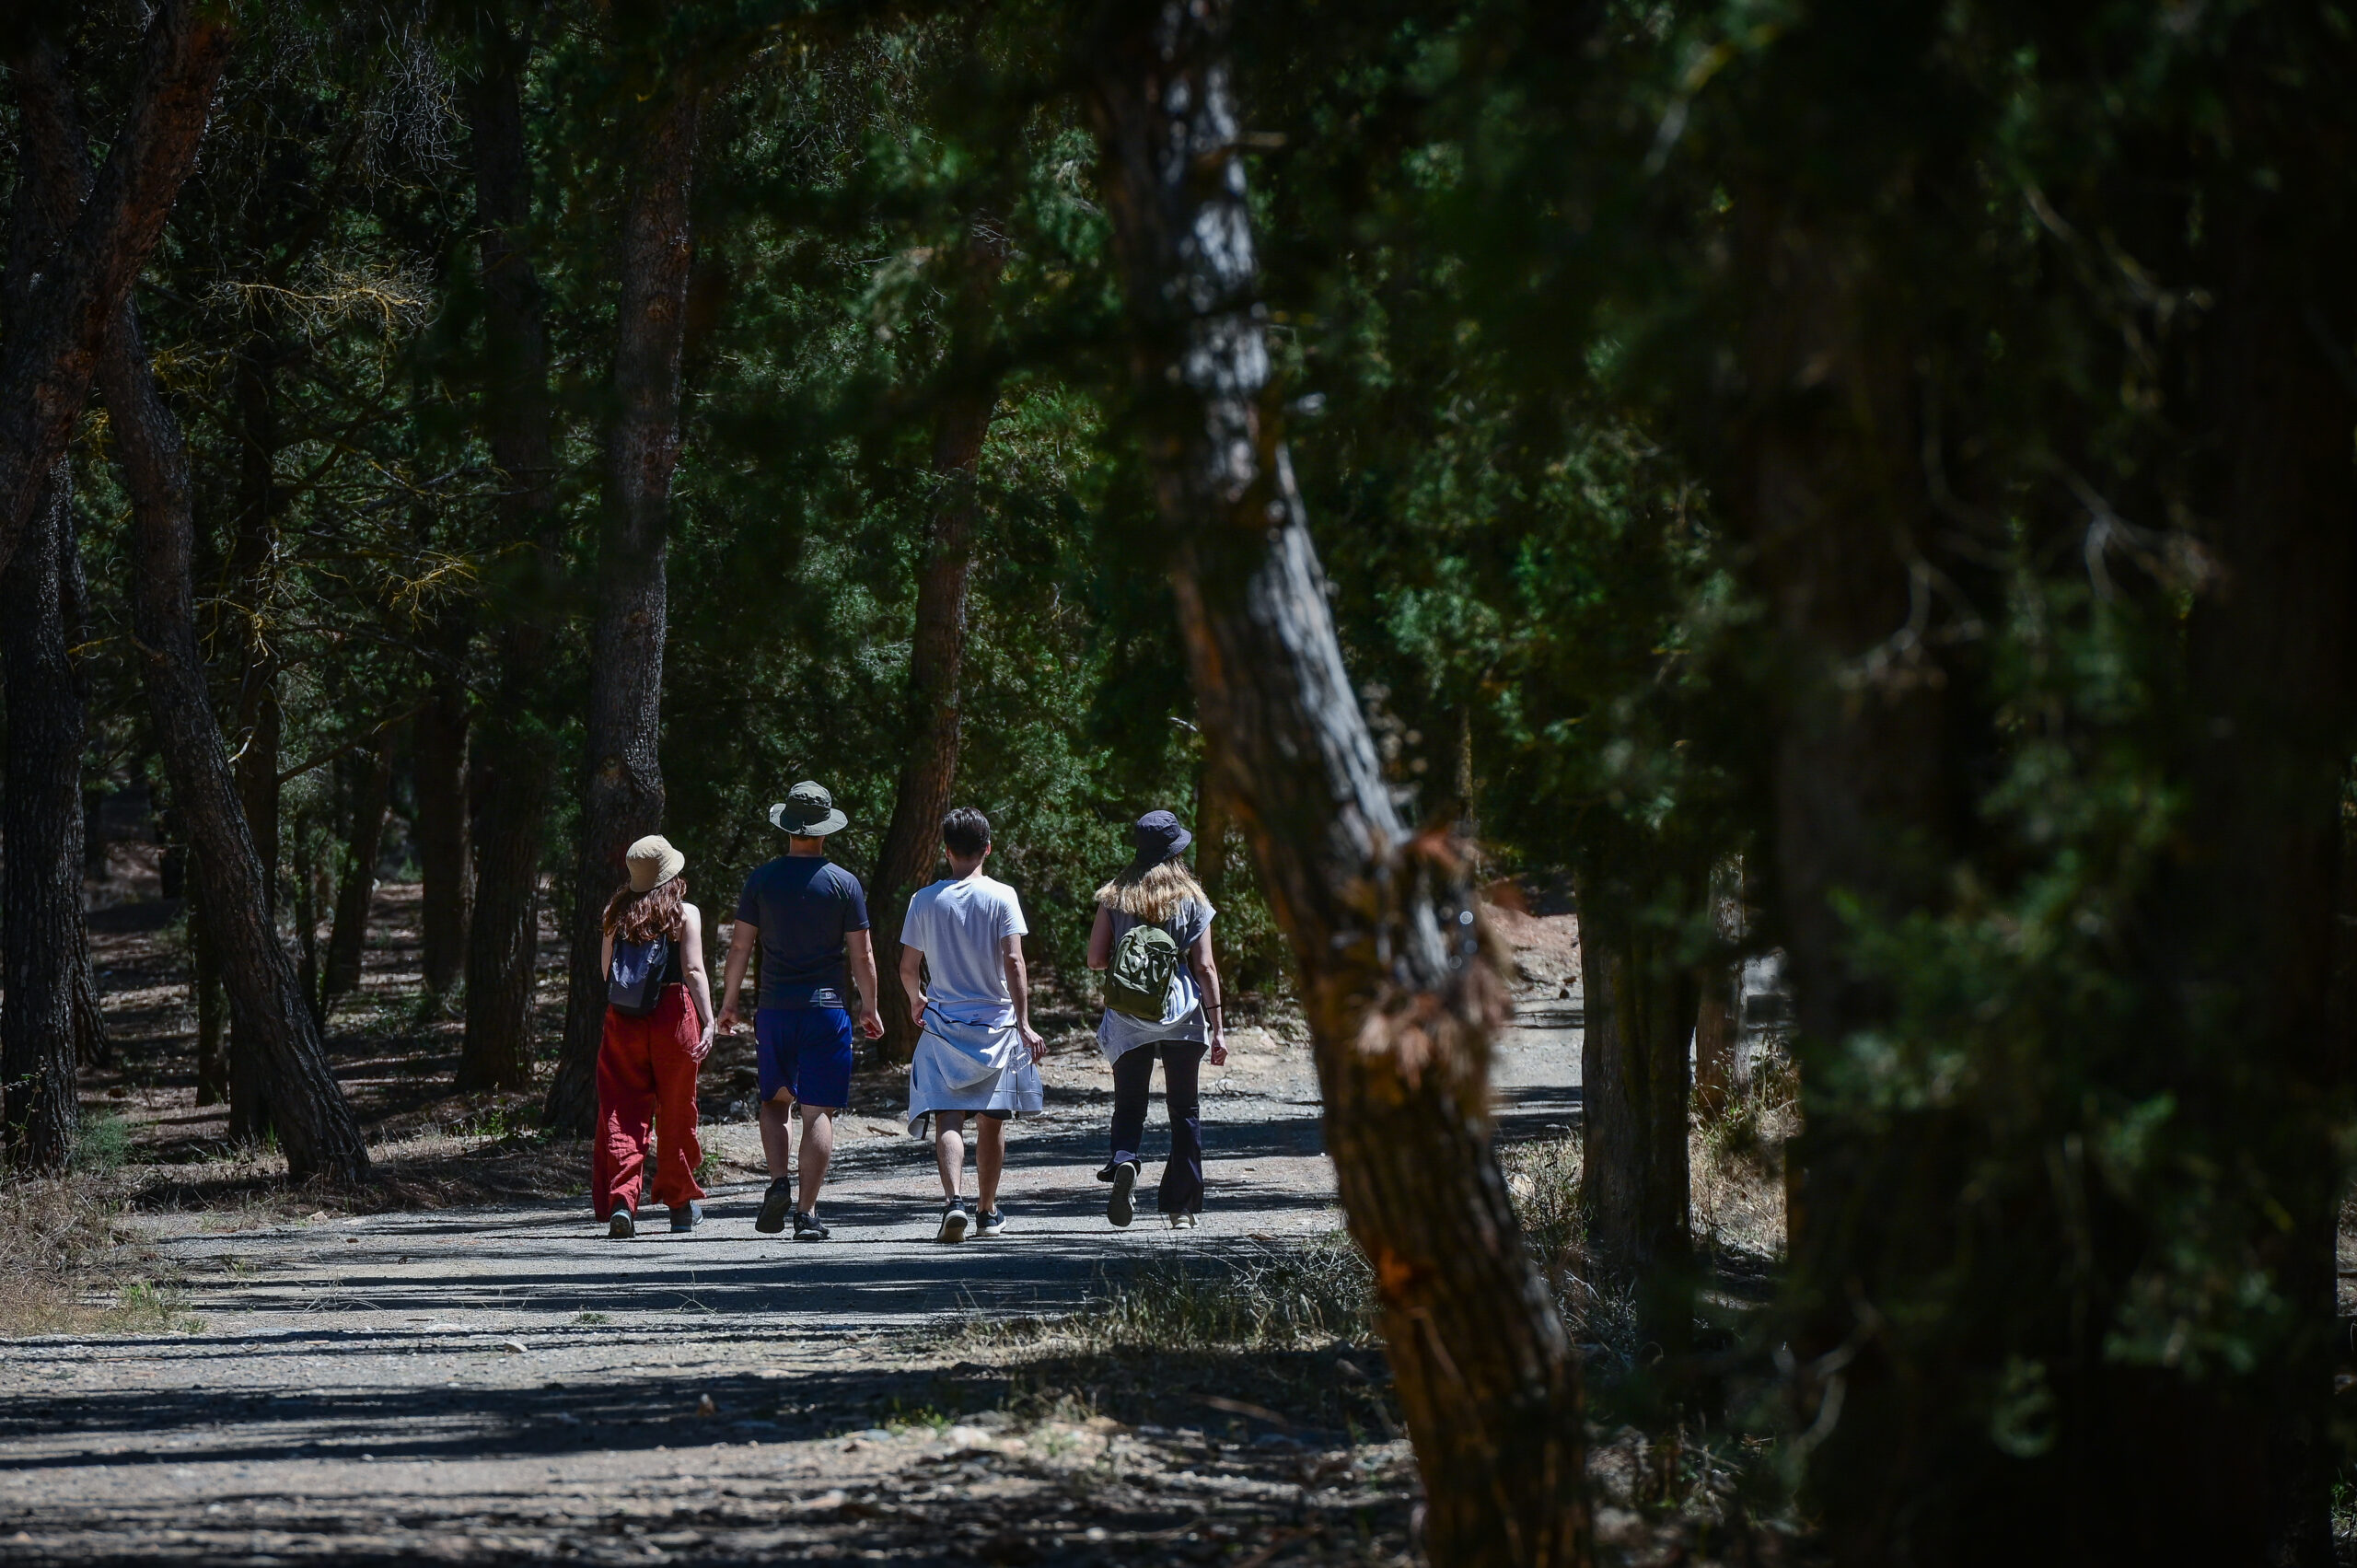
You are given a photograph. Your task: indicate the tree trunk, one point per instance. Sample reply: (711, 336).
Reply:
(2271, 704)
(1634, 1096)
(40, 889)
(356, 879)
(307, 1110)
(1401, 995)
(61, 308)
(511, 758)
(212, 1005)
(621, 798)
(936, 655)
(440, 757)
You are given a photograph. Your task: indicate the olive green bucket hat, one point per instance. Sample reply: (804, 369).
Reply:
(807, 811)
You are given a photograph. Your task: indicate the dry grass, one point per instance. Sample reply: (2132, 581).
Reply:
(70, 1264)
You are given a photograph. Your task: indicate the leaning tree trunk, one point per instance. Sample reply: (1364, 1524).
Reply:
(441, 759)
(511, 758)
(356, 879)
(40, 824)
(622, 800)
(1640, 1006)
(937, 652)
(1400, 994)
(314, 1123)
(62, 306)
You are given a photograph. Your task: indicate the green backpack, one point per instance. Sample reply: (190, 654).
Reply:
(1146, 964)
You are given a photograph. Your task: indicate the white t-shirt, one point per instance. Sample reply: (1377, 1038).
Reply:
(958, 927)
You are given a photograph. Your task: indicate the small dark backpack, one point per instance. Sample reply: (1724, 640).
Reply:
(1144, 967)
(634, 984)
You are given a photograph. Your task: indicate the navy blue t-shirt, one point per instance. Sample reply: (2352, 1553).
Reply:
(802, 905)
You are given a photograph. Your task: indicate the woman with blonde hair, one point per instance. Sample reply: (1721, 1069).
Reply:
(658, 1030)
(1153, 943)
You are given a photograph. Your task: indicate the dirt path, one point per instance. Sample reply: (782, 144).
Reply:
(501, 1383)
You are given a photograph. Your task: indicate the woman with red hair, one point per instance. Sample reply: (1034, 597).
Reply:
(658, 1030)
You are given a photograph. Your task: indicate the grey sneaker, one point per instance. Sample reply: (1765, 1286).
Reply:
(989, 1222)
(953, 1223)
(774, 1204)
(621, 1227)
(1120, 1208)
(809, 1227)
(687, 1215)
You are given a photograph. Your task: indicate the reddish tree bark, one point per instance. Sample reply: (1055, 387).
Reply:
(1401, 995)
(621, 798)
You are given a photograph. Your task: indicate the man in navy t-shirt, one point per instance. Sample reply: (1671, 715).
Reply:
(810, 917)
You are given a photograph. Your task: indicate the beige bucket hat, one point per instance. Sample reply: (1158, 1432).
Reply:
(653, 862)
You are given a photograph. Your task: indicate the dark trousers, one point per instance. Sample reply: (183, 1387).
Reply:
(1182, 1174)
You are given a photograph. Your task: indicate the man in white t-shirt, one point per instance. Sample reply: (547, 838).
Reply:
(977, 1053)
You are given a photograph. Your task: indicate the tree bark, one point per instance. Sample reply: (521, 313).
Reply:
(41, 889)
(621, 798)
(1401, 995)
(1640, 1004)
(212, 1005)
(313, 1122)
(60, 317)
(356, 879)
(511, 758)
(440, 757)
(937, 648)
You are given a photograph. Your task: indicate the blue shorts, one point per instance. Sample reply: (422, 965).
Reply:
(807, 1051)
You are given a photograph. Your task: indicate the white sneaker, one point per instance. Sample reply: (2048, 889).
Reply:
(953, 1223)
(1179, 1222)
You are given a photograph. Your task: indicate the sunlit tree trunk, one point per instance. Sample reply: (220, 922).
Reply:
(621, 798)
(1401, 995)
(512, 757)
(313, 1122)
(40, 828)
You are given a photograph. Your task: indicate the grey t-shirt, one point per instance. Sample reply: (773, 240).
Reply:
(1183, 1019)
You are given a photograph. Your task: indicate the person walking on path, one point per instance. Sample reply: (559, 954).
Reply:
(1153, 943)
(810, 917)
(658, 1030)
(961, 963)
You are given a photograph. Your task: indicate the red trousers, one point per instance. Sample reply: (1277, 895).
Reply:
(646, 1074)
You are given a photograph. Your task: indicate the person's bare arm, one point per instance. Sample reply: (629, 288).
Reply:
(913, 978)
(1100, 939)
(1018, 986)
(732, 979)
(1206, 968)
(698, 972)
(860, 947)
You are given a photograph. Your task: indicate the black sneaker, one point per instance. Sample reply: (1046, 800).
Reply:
(687, 1216)
(621, 1227)
(807, 1228)
(774, 1204)
(953, 1223)
(989, 1222)
(1119, 1207)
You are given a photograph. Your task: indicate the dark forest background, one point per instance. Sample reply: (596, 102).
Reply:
(1870, 480)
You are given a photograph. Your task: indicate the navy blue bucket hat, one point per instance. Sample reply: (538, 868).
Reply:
(1157, 837)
